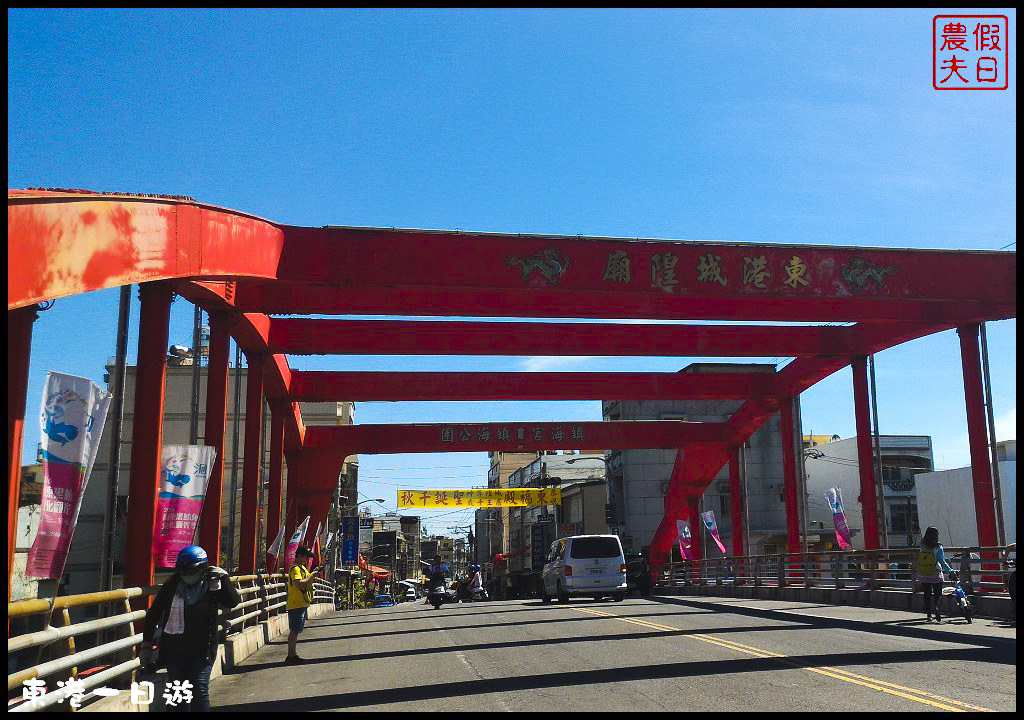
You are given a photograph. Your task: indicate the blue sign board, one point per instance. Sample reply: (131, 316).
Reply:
(349, 540)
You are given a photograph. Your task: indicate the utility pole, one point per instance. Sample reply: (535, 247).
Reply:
(879, 490)
(121, 366)
(232, 505)
(997, 485)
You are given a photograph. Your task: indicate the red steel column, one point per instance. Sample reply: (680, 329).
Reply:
(278, 409)
(19, 351)
(977, 432)
(736, 501)
(252, 469)
(788, 432)
(147, 428)
(216, 427)
(865, 455)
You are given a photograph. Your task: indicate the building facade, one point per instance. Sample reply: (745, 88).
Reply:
(581, 478)
(945, 499)
(834, 464)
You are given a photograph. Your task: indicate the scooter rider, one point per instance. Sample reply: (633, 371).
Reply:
(476, 581)
(437, 593)
(437, 572)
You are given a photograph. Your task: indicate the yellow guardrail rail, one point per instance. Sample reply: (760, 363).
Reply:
(46, 642)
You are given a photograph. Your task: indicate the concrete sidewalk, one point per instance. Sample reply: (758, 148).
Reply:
(988, 628)
(995, 606)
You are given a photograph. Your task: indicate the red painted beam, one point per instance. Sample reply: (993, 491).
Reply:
(376, 257)
(509, 436)
(62, 244)
(296, 298)
(396, 337)
(461, 386)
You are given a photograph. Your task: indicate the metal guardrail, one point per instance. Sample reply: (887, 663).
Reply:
(893, 569)
(64, 646)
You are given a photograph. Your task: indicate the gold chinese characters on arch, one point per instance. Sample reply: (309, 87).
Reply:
(484, 497)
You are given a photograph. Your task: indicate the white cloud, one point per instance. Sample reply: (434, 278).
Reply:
(551, 363)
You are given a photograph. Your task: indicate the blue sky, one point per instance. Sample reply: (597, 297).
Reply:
(817, 127)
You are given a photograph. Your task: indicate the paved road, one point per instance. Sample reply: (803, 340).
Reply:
(668, 653)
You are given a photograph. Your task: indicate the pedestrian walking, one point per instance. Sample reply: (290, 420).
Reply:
(300, 596)
(931, 562)
(186, 612)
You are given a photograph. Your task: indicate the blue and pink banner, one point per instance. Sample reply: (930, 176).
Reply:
(184, 475)
(294, 542)
(72, 416)
(835, 501)
(683, 530)
(708, 518)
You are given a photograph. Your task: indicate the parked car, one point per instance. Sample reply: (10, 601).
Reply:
(591, 565)
(383, 601)
(410, 594)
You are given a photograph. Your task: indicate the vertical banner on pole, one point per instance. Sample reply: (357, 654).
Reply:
(274, 550)
(294, 542)
(316, 559)
(683, 529)
(709, 522)
(73, 412)
(184, 476)
(835, 501)
(349, 540)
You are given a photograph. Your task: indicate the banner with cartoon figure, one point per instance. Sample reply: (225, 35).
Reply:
(73, 413)
(709, 522)
(835, 501)
(184, 475)
(683, 528)
(293, 543)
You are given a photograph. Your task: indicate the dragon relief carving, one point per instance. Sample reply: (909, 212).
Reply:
(858, 271)
(549, 262)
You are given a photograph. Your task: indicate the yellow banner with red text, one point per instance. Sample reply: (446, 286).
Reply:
(485, 497)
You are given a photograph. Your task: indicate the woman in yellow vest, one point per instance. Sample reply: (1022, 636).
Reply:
(931, 561)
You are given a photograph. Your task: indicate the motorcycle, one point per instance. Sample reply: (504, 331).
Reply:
(463, 592)
(438, 596)
(957, 592)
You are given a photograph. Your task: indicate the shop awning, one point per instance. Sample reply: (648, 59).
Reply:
(378, 572)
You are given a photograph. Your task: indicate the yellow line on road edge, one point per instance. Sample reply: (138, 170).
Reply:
(844, 675)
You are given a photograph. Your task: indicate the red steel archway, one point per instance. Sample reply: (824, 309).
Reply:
(242, 270)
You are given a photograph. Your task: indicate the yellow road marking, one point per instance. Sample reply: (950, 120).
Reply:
(920, 696)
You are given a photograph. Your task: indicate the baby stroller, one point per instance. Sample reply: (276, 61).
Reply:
(959, 596)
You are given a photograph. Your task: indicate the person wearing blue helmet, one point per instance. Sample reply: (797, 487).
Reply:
(186, 611)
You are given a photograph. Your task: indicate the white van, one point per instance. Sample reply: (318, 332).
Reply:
(591, 565)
